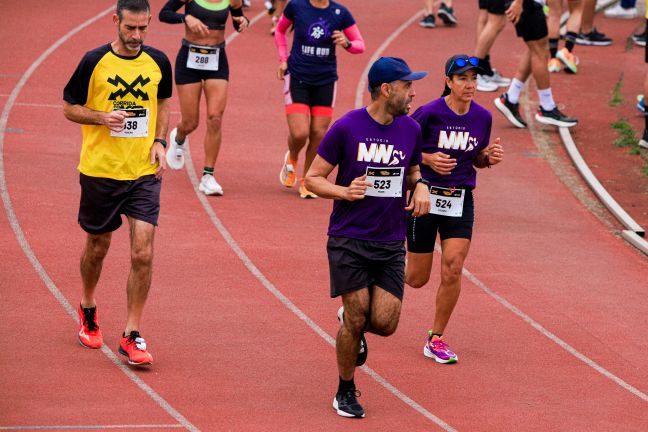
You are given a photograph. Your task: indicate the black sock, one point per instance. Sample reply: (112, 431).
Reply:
(553, 47)
(208, 171)
(485, 65)
(570, 40)
(436, 334)
(345, 385)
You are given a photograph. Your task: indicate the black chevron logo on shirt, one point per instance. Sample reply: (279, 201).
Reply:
(128, 88)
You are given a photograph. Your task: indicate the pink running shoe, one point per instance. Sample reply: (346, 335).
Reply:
(437, 349)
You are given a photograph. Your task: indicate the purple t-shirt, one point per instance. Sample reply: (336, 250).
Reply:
(312, 57)
(460, 136)
(354, 143)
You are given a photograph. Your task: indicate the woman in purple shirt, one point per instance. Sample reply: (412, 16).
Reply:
(456, 134)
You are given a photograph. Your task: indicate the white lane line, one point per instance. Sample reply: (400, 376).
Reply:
(83, 427)
(564, 345)
(558, 341)
(252, 268)
(24, 244)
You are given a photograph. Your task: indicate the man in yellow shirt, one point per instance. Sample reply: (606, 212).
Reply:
(120, 95)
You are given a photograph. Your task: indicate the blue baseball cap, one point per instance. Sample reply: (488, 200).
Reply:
(388, 69)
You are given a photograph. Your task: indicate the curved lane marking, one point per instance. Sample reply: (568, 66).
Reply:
(252, 268)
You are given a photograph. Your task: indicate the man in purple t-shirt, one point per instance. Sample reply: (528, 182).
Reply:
(377, 150)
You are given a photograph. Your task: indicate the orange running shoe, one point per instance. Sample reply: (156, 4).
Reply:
(133, 346)
(89, 334)
(288, 174)
(569, 60)
(305, 193)
(554, 65)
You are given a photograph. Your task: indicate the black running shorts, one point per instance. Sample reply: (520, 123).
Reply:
(104, 200)
(422, 230)
(299, 92)
(495, 7)
(357, 264)
(185, 75)
(532, 25)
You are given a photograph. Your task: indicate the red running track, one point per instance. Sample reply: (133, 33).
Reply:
(550, 327)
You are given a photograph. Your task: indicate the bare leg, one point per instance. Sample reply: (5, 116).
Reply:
(299, 130)
(139, 278)
(418, 269)
(318, 127)
(96, 249)
(454, 252)
(356, 309)
(216, 95)
(539, 51)
(189, 95)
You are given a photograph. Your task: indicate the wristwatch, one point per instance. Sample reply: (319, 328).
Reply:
(422, 180)
(161, 141)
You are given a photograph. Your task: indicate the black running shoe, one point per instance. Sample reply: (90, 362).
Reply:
(639, 39)
(362, 353)
(555, 117)
(427, 22)
(346, 404)
(510, 110)
(446, 14)
(594, 37)
(643, 142)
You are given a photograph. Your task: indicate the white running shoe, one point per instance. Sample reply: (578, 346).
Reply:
(175, 152)
(209, 185)
(498, 79)
(485, 84)
(620, 12)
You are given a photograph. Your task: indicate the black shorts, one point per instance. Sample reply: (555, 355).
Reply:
(104, 200)
(357, 264)
(646, 47)
(298, 92)
(495, 7)
(185, 75)
(533, 22)
(422, 230)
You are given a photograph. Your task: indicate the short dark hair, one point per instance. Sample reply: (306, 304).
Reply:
(132, 6)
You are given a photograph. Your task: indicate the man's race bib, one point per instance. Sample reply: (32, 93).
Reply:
(203, 58)
(446, 202)
(136, 124)
(385, 182)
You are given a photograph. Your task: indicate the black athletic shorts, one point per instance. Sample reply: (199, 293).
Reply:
(495, 7)
(185, 75)
(422, 230)
(357, 264)
(533, 22)
(104, 200)
(299, 92)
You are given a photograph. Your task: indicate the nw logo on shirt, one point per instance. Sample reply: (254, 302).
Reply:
(379, 153)
(128, 88)
(456, 141)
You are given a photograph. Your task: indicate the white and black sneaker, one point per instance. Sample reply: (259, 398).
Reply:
(362, 353)
(175, 152)
(346, 403)
(643, 142)
(555, 117)
(427, 22)
(510, 110)
(446, 14)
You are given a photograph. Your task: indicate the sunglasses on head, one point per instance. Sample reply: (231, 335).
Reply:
(461, 62)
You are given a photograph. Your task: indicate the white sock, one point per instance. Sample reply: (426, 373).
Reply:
(514, 90)
(546, 99)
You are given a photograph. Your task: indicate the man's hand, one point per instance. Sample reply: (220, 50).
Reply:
(158, 153)
(356, 190)
(514, 11)
(440, 162)
(116, 120)
(495, 152)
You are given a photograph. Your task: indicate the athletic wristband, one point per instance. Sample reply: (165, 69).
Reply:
(422, 180)
(161, 141)
(238, 13)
